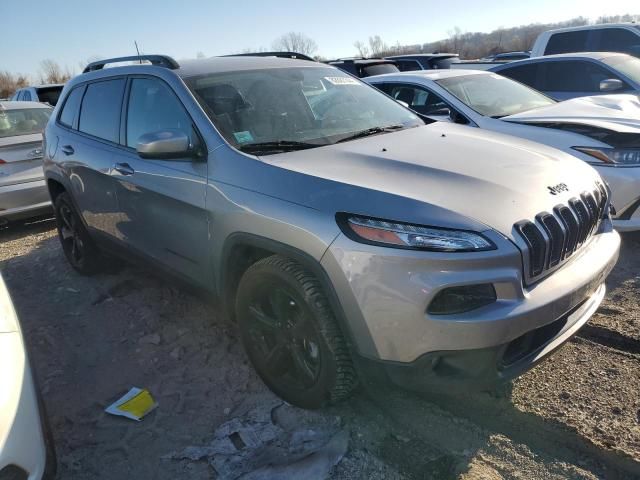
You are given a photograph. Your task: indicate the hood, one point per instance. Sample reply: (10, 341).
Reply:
(489, 178)
(617, 113)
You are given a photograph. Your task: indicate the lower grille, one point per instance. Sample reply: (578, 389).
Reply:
(554, 237)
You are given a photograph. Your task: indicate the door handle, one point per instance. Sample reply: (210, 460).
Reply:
(68, 150)
(124, 169)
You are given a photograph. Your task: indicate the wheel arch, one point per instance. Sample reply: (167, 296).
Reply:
(241, 250)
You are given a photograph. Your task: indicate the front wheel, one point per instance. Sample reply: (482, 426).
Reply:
(291, 335)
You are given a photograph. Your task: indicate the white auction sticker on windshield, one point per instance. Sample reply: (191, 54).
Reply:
(342, 80)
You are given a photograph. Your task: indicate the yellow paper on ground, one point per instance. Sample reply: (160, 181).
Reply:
(134, 404)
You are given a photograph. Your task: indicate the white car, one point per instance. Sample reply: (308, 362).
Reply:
(604, 131)
(26, 451)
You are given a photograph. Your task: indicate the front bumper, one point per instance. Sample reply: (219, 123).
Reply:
(384, 294)
(23, 200)
(464, 370)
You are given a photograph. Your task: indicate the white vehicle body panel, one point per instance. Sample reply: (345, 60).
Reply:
(22, 440)
(618, 113)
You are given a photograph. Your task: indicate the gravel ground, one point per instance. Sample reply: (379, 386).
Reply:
(91, 339)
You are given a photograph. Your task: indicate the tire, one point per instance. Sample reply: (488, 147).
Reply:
(291, 335)
(77, 245)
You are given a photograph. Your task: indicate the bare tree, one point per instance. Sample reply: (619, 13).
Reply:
(296, 42)
(455, 39)
(10, 82)
(361, 47)
(200, 55)
(377, 46)
(52, 72)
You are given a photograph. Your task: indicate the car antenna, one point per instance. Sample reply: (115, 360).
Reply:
(137, 50)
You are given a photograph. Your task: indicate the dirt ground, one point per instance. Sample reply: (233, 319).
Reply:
(92, 339)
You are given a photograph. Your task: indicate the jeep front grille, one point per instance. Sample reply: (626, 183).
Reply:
(554, 237)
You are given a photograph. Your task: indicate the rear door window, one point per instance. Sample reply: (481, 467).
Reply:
(567, 42)
(528, 74)
(100, 111)
(574, 76)
(71, 107)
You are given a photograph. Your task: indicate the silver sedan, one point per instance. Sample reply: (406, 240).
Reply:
(23, 191)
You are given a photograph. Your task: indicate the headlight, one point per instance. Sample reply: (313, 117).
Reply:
(402, 235)
(624, 157)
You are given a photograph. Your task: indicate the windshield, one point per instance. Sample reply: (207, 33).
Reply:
(23, 121)
(305, 106)
(629, 66)
(493, 95)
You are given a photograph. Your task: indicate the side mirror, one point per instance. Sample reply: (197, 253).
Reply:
(611, 85)
(404, 104)
(441, 112)
(164, 144)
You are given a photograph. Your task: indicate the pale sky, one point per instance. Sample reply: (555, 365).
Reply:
(71, 31)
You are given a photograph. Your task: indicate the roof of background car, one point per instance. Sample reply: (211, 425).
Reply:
(592, 27)
(565, 56)
(429, 74)
(190, 68)
(10, 105)
(423, 55)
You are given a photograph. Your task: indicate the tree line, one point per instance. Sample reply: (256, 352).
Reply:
(469, 45)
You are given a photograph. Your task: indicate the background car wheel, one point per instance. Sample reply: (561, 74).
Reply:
(291, 335)
(76, 243)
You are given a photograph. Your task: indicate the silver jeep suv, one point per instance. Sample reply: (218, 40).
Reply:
(338, 229)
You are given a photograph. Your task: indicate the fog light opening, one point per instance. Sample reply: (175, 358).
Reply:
(462, 299)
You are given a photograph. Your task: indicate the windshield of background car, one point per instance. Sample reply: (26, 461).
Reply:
(493, 95)
(314, 105)
(629, 66)
(24, 121)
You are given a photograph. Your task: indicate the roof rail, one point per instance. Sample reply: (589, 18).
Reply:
(159, 60)
(294, 55)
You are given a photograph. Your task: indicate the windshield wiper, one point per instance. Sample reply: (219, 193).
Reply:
(278, 146)
(371, 131)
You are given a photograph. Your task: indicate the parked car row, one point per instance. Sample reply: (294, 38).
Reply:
(445, 228)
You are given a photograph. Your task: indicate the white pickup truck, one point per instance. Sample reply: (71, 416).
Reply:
(611, 37)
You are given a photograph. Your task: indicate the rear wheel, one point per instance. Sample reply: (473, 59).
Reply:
(78, 247)
(291, 335)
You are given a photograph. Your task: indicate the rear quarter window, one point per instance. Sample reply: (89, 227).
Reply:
(100, 111)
